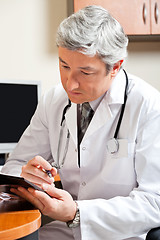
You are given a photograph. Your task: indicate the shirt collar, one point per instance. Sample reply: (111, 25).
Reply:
(94, 104)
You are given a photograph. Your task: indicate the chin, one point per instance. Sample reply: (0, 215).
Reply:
(75, 100)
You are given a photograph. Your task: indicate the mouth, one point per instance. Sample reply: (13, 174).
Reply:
(74, 93)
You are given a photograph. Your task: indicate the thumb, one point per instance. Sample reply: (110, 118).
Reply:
(53, 191)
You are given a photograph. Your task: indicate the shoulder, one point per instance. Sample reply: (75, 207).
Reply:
(55, 94)
(141, 86)
(52, 102)
(55, 98)
(143, 93)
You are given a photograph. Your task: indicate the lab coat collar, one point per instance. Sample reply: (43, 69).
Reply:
(115, 95)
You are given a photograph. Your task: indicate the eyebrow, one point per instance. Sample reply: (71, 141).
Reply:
(62, 61)
(88, 68)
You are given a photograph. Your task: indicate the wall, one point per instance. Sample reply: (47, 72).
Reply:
(144, 61)
(27, 45)
(27, 39)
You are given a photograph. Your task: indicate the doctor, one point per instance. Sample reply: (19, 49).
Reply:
(111, 181)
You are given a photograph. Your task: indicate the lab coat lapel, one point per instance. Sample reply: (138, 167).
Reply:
(71, 121)
(101, 116)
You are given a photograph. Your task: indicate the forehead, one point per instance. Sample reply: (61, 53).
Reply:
(75, 57)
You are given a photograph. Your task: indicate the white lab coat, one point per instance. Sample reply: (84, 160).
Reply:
(118, 195)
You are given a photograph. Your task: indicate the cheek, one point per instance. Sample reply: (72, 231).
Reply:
(63, 78)
(106, 83)
(101, 87)
(61, 74)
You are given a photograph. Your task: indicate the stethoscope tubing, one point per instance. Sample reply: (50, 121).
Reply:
(123, 108)
(113, 143)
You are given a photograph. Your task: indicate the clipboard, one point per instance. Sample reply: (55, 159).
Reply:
(9, 181)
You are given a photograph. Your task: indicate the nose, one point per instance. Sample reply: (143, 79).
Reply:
(72, 81)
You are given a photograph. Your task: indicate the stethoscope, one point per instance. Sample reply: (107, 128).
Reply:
(112, 144)
(57, 164)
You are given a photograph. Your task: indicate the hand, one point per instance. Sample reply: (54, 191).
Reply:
(59, 205)
(34, 171)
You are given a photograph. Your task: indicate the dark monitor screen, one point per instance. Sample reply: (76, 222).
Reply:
(18, 103)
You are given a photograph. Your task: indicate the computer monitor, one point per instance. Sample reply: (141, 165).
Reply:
(18, 102)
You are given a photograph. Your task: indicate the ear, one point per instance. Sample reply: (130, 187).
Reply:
(116, 68)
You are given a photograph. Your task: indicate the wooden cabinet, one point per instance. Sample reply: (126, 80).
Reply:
(138, 17)
(155, 16)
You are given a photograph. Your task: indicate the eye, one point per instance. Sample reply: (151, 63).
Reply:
(65, 66)
(86, 73)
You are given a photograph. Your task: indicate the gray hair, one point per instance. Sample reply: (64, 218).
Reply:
(92, 30)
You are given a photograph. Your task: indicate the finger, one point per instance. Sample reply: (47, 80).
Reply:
(40, 161)
(29, 196)
(44, 198)
(53, 171)
(53, 191)
(34, 170)
(37, 176)
(36, 163)
(15, 191)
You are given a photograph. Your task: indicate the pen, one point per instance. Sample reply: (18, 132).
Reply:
(48, 173)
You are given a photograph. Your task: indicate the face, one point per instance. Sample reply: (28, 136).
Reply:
(84, 78)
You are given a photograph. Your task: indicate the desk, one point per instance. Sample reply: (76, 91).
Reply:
(14, 225)
(18, 218)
